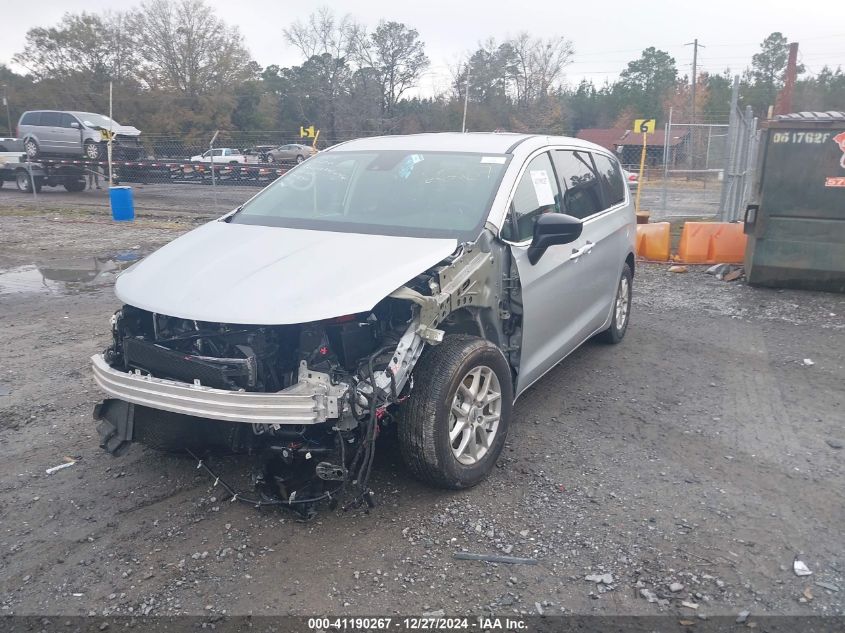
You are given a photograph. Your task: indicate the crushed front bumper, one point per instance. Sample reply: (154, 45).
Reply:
(312, 400)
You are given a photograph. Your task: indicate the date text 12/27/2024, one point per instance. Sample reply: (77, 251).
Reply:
(422, 623)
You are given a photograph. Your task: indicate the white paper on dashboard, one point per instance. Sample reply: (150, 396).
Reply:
(542, 187)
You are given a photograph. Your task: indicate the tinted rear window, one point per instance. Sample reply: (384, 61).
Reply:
(611, 179)
(577, 176)
(30, 118)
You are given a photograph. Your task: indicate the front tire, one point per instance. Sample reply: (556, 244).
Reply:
(454, 425)
(621, 309)
(299, 159)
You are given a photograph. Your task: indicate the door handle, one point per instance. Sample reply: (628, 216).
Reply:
(577, 252)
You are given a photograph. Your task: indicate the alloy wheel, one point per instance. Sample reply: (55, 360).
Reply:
(474, 415)
(623, 298)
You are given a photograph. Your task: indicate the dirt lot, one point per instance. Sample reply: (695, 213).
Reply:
(703, 451)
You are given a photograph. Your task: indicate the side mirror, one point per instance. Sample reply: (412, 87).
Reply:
(74, 125)
(552, 229)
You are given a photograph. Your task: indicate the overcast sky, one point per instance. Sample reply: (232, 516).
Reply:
(606, 35)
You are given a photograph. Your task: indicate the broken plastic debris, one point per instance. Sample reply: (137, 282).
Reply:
(800, 568)
(827, 585)
(54, 469)
(494, 558)
(605, 579)
(719, 269)
(808, 362)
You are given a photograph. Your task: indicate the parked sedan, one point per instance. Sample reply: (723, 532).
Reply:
(420, 281)
(632, 178)
(294, 152)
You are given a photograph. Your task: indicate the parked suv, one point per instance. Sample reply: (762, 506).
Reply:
(51, 132)
(420, 281)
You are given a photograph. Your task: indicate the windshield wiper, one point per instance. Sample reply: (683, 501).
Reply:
(229, 217)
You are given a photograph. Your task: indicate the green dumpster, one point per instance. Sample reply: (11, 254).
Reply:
(796, 222)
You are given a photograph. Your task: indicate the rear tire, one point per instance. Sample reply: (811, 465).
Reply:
(621, 309)
(24, 182)
(429, 419)
(92, 150)
(30, 146)
(75, 185)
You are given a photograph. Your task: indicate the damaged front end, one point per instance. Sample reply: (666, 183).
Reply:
(307, 399)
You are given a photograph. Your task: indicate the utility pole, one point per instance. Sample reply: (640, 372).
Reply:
(6, 103)
(783, 103)
(695, 46)
(466, 100)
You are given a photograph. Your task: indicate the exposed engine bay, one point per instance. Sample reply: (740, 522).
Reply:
(353, 373)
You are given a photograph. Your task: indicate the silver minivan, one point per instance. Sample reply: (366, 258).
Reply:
(83, 134)
(416, 282)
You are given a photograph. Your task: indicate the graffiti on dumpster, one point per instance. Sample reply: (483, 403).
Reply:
(838, 181)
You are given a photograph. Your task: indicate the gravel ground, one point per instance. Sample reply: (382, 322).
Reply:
(682, 472)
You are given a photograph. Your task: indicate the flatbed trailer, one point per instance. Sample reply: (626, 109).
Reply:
(171, 171)
(31, 176)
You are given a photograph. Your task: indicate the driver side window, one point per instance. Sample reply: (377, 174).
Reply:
(537, 193)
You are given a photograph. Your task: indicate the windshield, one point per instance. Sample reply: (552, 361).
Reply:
(100, 120)
(415, 194)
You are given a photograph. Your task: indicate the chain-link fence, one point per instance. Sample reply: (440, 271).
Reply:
(702, 169)
(740, 163)
(692, 169)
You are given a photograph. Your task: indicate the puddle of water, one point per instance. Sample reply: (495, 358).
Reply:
(66, 277)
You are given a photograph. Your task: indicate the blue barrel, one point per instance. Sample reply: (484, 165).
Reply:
(122, 205)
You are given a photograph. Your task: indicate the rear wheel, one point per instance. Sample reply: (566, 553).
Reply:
(453, 427)
(75, 185)
(25, 182)
(30, 146)
(92, 150)
(621, 309)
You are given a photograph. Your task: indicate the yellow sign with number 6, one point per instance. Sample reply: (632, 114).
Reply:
(645, 126)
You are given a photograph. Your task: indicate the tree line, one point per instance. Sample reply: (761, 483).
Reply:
(179, 70)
